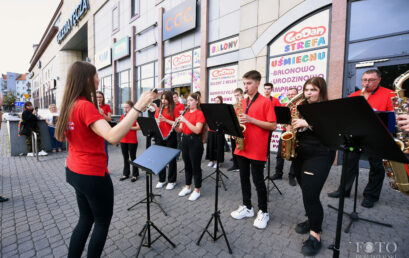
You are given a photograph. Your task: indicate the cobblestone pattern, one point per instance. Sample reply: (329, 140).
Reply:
(39, 218)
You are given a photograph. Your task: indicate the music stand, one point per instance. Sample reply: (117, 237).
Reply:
(222, 119)
(153, 160)
(149, 128)
(352, 126)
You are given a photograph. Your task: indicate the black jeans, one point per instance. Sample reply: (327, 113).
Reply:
(172, 143)
(192, 151)
(257, 173)
(233, 148)
(29, 141)
(129, 150)
(95, 198)
(312, 166)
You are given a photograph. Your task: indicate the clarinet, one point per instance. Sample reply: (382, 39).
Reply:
(176, 123)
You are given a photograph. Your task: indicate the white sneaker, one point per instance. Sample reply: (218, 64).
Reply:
(261, 221)
(160, 184)
(215, 165)
(242, 212)
(170, 186)
(42, 153)
(185, 191)
(211, 164)
(30, 154)
(194, 196)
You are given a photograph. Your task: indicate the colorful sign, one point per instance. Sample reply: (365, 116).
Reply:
(222, 82)
(179, 19)
(307, 35)
(196, 57)
(196, 80)
(103, 58)
(121, 48)
(168, 65)
(182, 61)
(225, 46)
(181, 78)
(74, 19)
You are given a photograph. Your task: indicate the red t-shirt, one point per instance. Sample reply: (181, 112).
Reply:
(256, 138)
(131, 136)
(86, 153)
(275, 102)
(194, 118)
(379, 100)
(179, 107)
(163, 126)
(106, 108)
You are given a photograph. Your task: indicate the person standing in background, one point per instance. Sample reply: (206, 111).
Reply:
(51, 121)
(105, 111)
(29, 117)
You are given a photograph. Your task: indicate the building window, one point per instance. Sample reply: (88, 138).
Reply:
(106, 88)
(134, 8)
(124, 89)
(115, 18)
(147, 76)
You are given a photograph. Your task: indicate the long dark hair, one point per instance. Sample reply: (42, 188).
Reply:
(220, 98)
(168, 95)
(80, 82)
(320, 83)
(26, 104)
(103, 97)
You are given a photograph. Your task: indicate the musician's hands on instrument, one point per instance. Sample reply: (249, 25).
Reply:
(403, 122)
(245, 119)
(298, 123)
(183, 119)
(144, 100)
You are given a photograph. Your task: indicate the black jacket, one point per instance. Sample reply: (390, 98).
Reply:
(30, 120)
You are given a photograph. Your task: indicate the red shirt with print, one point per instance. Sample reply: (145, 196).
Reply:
(106, 108)
(163, 126)
(131, 136)
(86, 153)
(379, 99)
(179, 107)
(194, 118)
(256, 138)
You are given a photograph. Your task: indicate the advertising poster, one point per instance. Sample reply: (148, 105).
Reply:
(222, 82)
(196, 80)
(182, 61)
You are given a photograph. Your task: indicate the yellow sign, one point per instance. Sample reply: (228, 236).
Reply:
(26, 96)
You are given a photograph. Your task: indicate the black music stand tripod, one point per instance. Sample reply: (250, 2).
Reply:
(352, 126)
(153, 160)
(149, 128)
(222, 119)
(268, 177)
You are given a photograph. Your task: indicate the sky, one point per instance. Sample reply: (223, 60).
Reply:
(22, 24)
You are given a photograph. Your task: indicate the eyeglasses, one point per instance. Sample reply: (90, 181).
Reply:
(369, 80)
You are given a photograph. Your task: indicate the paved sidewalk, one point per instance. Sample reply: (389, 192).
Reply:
(39, 218)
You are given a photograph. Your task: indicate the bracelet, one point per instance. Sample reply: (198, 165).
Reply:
(136, 109)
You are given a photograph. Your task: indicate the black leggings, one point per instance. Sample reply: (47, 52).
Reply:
(312, 166)
(95, 198)
(172, 143)
(192, 151)
(257, 173)
(129, 150)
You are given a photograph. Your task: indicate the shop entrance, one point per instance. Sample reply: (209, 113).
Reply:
(183, 91)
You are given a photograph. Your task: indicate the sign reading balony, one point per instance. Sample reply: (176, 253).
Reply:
(74, 19)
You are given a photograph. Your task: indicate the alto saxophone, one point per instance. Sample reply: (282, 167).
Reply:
(396, 171)
(289, 139)
(240, 141)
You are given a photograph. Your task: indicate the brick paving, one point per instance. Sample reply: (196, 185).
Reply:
(39, 218)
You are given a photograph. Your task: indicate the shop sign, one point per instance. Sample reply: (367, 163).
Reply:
(103, 58)
(121, 48)
(183, 77)
(168, 65)
(225, 46)
(307, 35)
(196, 57)
(74, 19)
(196, 80)
(223, 82)
(179, 19)
(182, 61)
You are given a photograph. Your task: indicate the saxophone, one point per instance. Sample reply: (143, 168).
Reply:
(289, 138)
(240, 141)
(397, 172)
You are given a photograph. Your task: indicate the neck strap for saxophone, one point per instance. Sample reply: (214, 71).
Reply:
(252, 101)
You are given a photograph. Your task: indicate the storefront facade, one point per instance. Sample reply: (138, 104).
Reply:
(207, 45)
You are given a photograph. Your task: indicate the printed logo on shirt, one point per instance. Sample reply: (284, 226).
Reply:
(71, 126)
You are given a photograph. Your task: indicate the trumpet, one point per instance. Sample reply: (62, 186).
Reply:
(151, 107)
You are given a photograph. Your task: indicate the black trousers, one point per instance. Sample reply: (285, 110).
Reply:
(257, 173)
(233, 148)
(376, 176)
(172, 143)
(192, 152)
(95, 198)
(129, 150)
(312, 166)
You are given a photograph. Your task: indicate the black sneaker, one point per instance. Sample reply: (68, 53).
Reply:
(291, 181)
(3, 199)
(311, 246)
(367, 203)
(303, 227)
(276, 177)
(233, 168)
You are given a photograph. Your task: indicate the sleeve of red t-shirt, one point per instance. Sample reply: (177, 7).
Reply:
(88, 113)
(270, 113)
(276, 103)
(200, 118)
(109, 109)
(389, 106)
